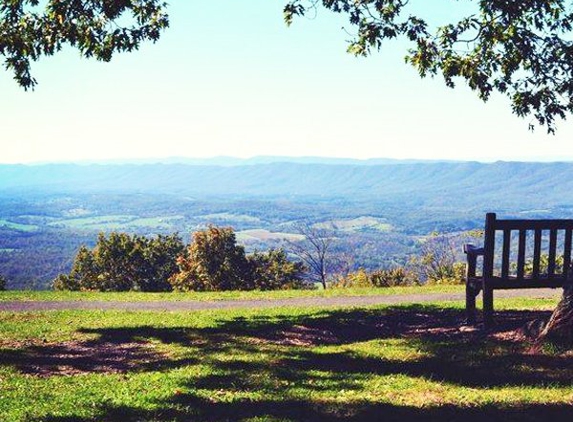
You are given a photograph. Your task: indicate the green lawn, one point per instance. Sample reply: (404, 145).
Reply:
(396, 363)
(232, 295)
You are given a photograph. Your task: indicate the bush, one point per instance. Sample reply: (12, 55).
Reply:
(379, 278)
(358, 278)
(437, 263)
(212, 262)
(272, 270)
(123, 262)
(393, 277)
(2, 283)
(455, 274)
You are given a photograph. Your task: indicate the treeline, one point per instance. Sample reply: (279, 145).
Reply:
(212, 262)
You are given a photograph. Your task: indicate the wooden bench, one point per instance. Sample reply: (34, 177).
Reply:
(509, 263)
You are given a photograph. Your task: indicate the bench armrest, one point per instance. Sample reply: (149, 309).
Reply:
(472, 251)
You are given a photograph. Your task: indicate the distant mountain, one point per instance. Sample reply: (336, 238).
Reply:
(263, 159)
(448, 183)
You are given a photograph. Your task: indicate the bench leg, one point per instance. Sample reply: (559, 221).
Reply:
(487, 307)
(470, 305)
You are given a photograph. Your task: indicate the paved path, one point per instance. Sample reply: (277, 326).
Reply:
(23, 306)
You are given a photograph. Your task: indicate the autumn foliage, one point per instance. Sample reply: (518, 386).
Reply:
(214, 261)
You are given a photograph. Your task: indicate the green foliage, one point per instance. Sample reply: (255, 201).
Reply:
(273, 270)
(393, 277)
(214, 262)
(123, 262)
(97, 28)
(437, 262)
(543, 265)
(522, 49)
(2, 283)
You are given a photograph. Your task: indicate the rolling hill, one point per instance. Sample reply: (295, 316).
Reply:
(500, 184)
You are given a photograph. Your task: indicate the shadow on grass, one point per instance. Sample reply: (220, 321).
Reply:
(192, 408)
(296, 359)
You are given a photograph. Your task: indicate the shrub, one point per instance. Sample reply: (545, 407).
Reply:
(358, 278)
(437, 263)
(379, 278)
(213, 261)
(273, 270)
(393, 277)
(455, 274)
(123, 262)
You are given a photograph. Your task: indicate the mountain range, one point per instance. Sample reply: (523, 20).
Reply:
(503, 184)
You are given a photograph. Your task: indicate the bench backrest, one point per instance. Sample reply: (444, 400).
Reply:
(553, 229)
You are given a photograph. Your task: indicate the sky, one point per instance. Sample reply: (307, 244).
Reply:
(229, 78)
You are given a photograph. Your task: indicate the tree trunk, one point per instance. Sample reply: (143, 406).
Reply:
(323, 280)
(559, 328)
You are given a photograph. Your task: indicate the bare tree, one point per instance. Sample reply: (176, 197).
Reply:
(316, 249)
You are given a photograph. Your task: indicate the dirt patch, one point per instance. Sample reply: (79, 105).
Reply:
(447, 325)
(76, 358)
(302, 335)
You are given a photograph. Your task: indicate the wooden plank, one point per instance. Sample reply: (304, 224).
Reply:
(567, 253)
(529, 283)
(505, 253)
(521, 254)
(536, 253)
(489, 245)
(552, 252)
(533, 224)
(487, 307)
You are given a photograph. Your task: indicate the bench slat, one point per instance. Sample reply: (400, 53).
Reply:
(521, 254)
(489, 245)
(533, 224)
(552, 252)
(536, 252)
(567, 253)
(505, 253)
(528, 283)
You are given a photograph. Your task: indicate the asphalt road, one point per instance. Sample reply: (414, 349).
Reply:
(341, 301)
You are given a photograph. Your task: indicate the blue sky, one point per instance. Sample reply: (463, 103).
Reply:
(229, 78)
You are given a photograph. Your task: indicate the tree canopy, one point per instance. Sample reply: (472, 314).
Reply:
(520, 48)
(30, 29)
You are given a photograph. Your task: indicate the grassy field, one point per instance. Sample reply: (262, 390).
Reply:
(231, 295)
(117, 222)
(397, 363)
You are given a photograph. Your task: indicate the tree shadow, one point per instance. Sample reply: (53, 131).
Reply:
(193, 408)
(302, 351)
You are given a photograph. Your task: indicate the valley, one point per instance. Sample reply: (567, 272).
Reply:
(380, 213)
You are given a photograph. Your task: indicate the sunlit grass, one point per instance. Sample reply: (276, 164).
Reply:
(230, 295)
(410, 362)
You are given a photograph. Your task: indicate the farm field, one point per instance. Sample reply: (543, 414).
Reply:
(411, 362)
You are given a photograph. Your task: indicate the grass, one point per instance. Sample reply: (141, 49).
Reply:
(117, 222)
(231, 295)
(226, 216)
(358, 224)
(289, 364)
(18, 226)
(262, 234)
